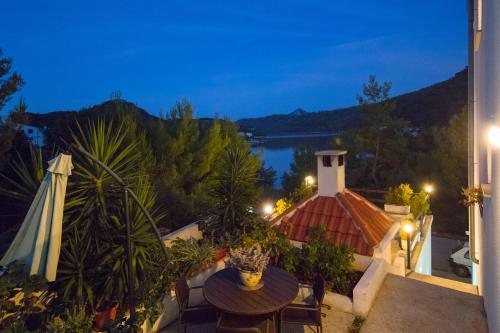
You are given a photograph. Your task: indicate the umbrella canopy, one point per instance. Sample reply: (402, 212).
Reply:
(38, 241)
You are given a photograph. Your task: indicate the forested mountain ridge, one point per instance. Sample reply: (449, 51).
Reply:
(55, 121)
(426, 107)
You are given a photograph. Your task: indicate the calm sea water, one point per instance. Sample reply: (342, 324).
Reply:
(277, 151)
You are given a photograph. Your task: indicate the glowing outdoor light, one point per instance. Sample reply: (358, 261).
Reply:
(268, 209)
(428, 188)
(309, 180)
(494, 136)
(408, 229)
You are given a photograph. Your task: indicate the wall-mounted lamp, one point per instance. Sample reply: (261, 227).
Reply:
(494, 136)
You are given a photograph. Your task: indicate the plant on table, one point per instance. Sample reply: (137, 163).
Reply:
(250, 262)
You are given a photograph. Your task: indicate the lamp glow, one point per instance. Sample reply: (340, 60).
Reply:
(268, 209)
(494, 136)
(428, 188)
(408, 228)
(309, 180)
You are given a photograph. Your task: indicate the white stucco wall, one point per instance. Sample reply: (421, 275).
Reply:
(189, 231)
(424, 262)
(366, 290)
(487, 108)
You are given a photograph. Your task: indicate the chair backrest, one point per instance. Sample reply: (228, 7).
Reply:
(182, 293)
(319, 289)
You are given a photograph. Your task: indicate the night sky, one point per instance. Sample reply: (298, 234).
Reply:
(234, 58)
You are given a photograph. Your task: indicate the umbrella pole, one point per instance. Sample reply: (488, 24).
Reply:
(131, 287)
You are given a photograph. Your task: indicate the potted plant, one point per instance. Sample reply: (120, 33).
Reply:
(419, 204)
(250, 263)
(192, 256)
(220, 253)
(104, 313)
(473, 196)
(398, 199)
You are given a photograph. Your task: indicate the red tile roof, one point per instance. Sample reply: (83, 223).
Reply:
(350, 219)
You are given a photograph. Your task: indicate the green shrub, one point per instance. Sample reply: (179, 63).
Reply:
(400, 195)
(190, 255)
(77, 320)
(419, 204)
(260, 232)
(56, 325)
(291, 259)
(28, 291)
(320, 256)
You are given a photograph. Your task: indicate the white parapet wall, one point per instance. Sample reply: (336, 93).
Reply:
(189, 231)
(424, 253)
(384, 249)
(368, 287)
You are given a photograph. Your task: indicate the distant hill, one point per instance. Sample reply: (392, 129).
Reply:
(429, 106)
(57, 123)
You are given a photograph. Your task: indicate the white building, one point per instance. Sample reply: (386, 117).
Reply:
(484, 153)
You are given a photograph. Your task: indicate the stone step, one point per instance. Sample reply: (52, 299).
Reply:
(445, 283)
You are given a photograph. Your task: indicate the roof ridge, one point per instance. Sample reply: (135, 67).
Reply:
(371, 239)
(346, 205)
(371, 204)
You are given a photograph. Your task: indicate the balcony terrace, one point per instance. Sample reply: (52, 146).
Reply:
(405, 305)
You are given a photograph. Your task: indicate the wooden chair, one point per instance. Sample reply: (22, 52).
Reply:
(191, 315)
(307, 314)
(242, 324)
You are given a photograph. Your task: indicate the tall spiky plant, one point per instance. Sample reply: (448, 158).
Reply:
(235, 187)
(95, 207)
(143, 242)
(27, 176)
(91, 187)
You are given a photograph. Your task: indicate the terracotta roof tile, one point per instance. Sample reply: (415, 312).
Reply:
(349, 218)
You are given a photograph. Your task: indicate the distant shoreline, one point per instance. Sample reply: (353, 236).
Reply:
(295, 135)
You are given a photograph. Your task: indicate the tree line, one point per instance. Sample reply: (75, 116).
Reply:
(385, 151)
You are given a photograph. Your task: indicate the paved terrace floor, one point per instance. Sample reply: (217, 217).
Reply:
(406, 305)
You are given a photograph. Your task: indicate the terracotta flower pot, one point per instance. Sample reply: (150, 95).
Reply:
(102, 316)
(250, 279)
(219, 254)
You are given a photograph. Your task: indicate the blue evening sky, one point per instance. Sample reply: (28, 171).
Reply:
(235, 58)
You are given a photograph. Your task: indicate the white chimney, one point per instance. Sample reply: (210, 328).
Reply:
(331, 172)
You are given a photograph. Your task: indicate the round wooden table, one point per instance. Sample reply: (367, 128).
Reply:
(279, 290)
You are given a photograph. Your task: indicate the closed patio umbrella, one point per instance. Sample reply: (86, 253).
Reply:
(38, 241)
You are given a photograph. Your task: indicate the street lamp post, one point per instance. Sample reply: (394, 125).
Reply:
(408, 228)
(309, 180)
(268, 210)
(428, 188)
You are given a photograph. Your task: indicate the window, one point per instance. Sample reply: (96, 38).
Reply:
(341, 160)
(327, 161)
